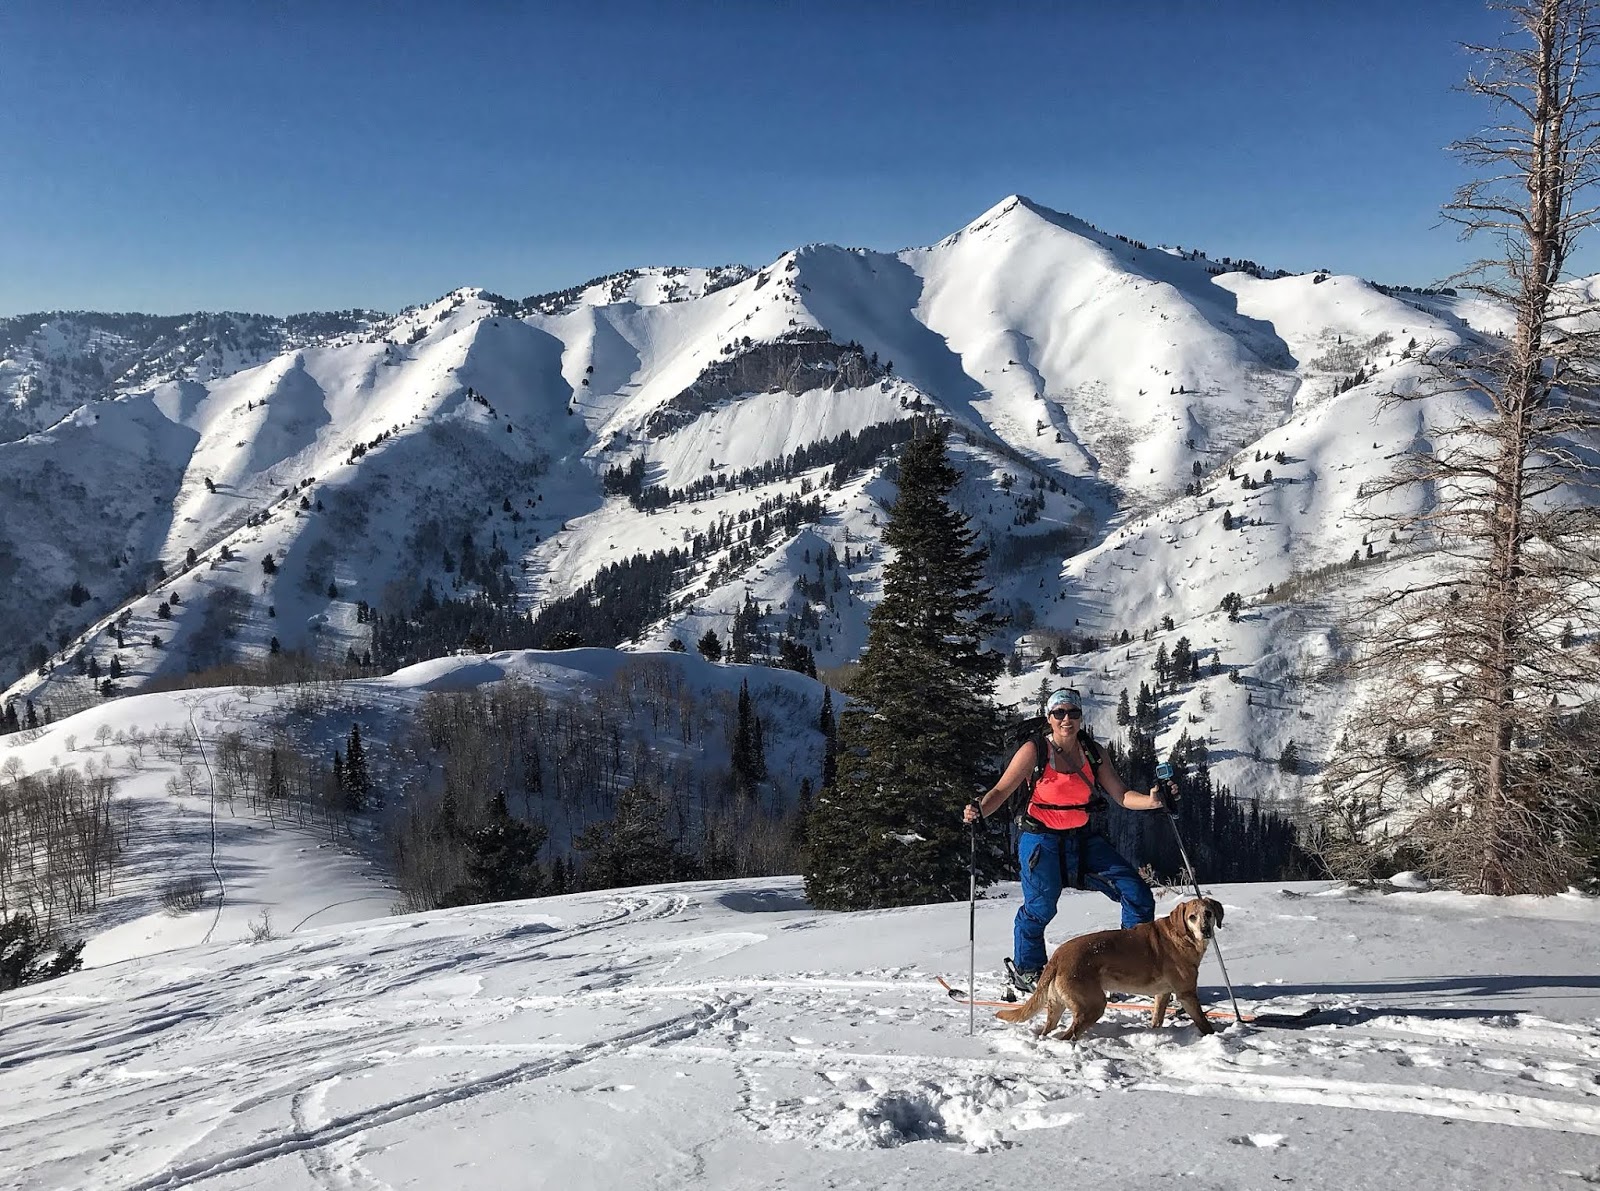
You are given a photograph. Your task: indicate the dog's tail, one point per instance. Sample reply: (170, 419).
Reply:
(1029, 1007)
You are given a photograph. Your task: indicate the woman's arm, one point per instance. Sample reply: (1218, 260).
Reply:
(1134, 800)
(1016, 773)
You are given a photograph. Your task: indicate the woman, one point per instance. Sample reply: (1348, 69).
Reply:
(1056, 846)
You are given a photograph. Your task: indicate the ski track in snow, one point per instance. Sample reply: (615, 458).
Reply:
(206, 1066)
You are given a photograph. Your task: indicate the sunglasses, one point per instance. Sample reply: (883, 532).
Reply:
(1067, 713)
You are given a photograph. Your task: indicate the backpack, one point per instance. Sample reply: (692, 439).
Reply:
(1035, 729)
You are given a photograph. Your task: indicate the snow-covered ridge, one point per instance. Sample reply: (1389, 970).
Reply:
(1090, 379)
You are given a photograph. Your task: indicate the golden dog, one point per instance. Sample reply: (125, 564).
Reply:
(1159, 959)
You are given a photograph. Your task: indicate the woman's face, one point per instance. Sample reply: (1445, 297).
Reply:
(1064, 723)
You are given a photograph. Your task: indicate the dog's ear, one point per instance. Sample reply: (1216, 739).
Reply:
(1215, 907)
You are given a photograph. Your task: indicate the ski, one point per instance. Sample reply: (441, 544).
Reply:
(961, 996)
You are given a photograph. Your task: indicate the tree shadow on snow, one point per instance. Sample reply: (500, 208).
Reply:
(1442, 987)
(763, 901)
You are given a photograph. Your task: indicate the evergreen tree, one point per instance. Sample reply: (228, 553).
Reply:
(633, 847)
(1181, 660)
(357, 781)
(830, 741)
(746, 747)
(1289, 762)
(912, 744)
(560, 876)
(1147, 711)
(277, 788)
(502, 857)
(1124, 716)
(710, 646)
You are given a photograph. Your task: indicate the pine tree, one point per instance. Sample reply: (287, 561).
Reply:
(1289, 762)
(502, 857)
(277, 788)
(1147, 711)
(357, 781)
(745, 747)
(829, 728)
(633, 847)
(913, 742)
(710, 646)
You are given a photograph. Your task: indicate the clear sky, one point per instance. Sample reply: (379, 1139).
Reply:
(283, 156)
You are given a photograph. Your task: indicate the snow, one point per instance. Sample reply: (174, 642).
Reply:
(728, 1035)
(1057, 351)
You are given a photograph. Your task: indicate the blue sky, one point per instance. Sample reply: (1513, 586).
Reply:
(293, 156)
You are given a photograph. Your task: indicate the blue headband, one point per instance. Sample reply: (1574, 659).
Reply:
(1065, 697)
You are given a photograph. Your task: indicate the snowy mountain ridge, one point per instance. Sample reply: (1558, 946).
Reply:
(1089, 379)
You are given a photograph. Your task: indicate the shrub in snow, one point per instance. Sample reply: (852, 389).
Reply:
(28, 955)
(183, 894)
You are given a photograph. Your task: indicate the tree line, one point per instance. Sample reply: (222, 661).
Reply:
(513, 793)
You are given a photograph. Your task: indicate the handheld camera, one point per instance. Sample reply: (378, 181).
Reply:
(1165, 775)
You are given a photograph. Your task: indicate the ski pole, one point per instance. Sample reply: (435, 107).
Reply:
(1164, 774)
(972, 925)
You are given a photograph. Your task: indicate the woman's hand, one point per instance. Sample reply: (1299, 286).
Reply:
(972, 814)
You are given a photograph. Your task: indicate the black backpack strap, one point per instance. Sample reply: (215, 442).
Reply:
(1091, 750)
(1092, 753)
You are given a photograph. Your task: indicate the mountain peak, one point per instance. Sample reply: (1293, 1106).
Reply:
(1019, 207)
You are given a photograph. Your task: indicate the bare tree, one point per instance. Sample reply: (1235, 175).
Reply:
(1481, 768)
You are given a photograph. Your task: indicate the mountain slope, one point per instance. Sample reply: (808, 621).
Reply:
(1090, 380)
(727, 1035)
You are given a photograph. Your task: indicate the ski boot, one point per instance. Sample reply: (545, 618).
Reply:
(1019, 982)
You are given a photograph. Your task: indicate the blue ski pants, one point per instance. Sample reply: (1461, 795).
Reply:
(1050, 862)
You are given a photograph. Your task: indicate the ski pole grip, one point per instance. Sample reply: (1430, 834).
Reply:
(1166, 779)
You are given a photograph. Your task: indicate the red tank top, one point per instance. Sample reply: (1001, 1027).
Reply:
(1061, 800)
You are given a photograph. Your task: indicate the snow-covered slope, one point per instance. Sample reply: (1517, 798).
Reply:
(727, 1035)
(1088, 379)
(181, 816)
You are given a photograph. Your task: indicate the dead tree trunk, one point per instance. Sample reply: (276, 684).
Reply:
(1485, 779)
